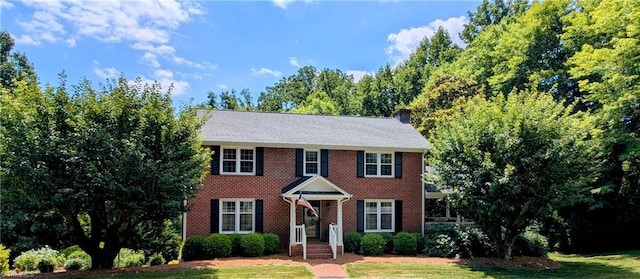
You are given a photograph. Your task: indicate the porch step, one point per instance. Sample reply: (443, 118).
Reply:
(319, 251)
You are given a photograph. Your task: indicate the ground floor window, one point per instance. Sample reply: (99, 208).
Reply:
(379, 215)
(237, 216)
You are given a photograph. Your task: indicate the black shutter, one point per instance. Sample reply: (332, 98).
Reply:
(360, 215)
(259, 161)
(299, 161)
(398, 164)
(324, 162)
(215, 160)
(215, 214)
(398, 216)
(360, 162)
(259, 217)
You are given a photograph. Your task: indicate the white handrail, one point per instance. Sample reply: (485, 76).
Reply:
(333, 239)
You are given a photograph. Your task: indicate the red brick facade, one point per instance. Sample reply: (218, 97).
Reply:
(279, 171)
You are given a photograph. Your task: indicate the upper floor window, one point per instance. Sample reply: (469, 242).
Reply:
(379, 216)
(378, 164)
(236, 216)
(237, 160)
(311, 162)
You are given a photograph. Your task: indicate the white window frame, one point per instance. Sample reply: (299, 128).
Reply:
(304, 162)
(237, 215)
(238, 160)
(379, 163)
(379, 215)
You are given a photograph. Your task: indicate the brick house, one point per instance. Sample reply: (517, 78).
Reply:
(359, 174)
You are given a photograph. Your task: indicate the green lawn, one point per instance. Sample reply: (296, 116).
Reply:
(226, 272)
(615, 265)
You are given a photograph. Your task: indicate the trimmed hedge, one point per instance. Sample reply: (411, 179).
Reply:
(44, 259)
(388, 242)
(129, 258)
(194, 248)
(217, 246)
(419, 242)
(373, 244)
(405, 243)
(78, 260)
(236, 249)
(252, 245)
(352, 241)
(156, 259)
(271, 243)
(532, 244)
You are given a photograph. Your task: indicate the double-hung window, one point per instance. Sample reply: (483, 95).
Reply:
(378, 164)
(238, 160)
(311, 162)
(237, 216)
(379, 216)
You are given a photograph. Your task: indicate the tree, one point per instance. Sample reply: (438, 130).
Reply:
(317, 103)
(511, 160)
(114, 158)
(491, 13)
(13, 66)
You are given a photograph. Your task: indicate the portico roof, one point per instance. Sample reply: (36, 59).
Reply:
(314, 188)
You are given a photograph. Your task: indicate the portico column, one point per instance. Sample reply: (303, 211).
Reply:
(292, 224)
(340, 229)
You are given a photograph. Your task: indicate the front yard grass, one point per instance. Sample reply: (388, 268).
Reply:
(615, 265)
(224, 272)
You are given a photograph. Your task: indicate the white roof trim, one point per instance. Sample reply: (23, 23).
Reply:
(295, 145)
(314, 180)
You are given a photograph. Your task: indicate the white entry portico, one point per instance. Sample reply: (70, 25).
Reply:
(314, 188)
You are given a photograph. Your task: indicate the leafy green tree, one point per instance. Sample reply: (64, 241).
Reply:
(606, 38)
(317, 103)
(511, 161)
(491, 12)
(438, 100)
(13, 66)
(120, 155)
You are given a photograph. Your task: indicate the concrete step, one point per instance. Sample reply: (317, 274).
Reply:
(319, 251)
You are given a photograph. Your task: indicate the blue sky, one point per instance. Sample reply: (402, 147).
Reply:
(219, 45)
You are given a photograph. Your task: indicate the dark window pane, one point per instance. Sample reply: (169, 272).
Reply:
(385, 170)
(385, 221)
(229, 154)
(246, 166)
(385, 158)
(246, 222)
(372, 170)
(372, 222)
(246, 154)
(229, 166)
(372, 158)
(311, 156)
(312, 168)
(228, 222)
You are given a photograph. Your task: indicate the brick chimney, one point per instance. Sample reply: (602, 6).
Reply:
(403, 115)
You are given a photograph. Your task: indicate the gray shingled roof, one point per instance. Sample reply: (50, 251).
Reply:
(302, 130)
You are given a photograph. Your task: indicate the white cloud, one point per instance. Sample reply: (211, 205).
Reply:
(5, 5)
(150, 60)
(71, 42)
(358, 75)
(282, 3)
(294, 61)
(406, 40)
(166, 80)
(106, 73)
(26, 40)
(223, 86)
(264, 71)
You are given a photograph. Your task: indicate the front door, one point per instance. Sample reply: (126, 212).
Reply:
(311, 222)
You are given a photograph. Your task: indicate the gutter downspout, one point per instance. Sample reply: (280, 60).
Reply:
(291, 229)
(340, 223)
(424, 154)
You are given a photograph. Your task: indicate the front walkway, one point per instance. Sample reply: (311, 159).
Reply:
(327, 269)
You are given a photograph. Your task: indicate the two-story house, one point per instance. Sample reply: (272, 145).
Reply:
(359, 174)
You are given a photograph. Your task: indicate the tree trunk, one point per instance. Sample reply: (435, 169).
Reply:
(102, 260)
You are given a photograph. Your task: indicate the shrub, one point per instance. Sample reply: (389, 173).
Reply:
(69, 250)
(530, 243)
(388, 242)
(4, 259)
(194, 248)
(419, 242)
(352, 242)
(441, 240)
(78, 260)
(252, 245)
(156, 259)
(236, 249)
(271, 243)
(405, 243)
(218, 246)
(373, 244)
(45, 259)
(128, 258)
(478, 243)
